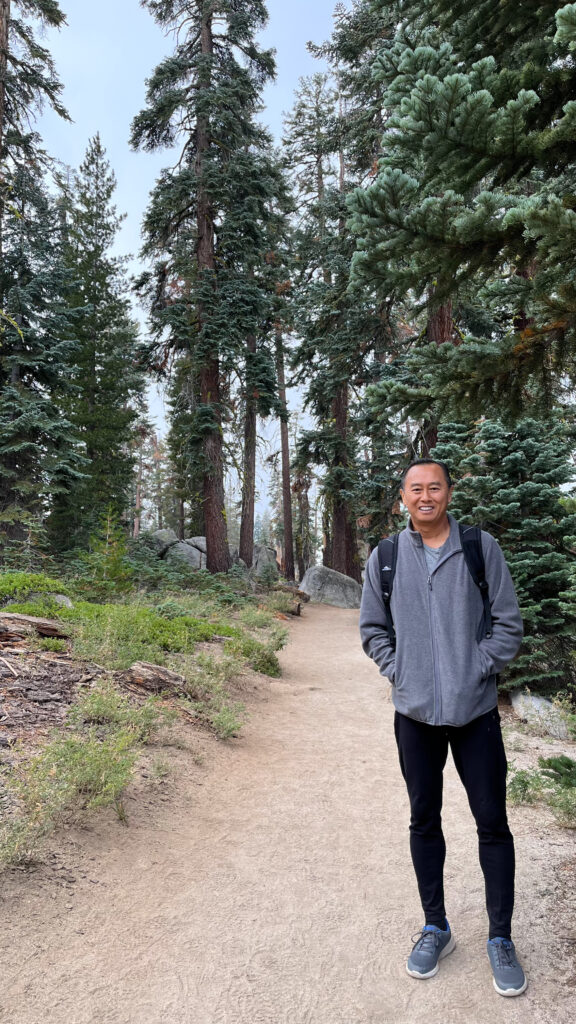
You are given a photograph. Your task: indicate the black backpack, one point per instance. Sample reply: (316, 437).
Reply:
(472, 548)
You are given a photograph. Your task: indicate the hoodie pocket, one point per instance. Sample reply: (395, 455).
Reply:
(483, 672)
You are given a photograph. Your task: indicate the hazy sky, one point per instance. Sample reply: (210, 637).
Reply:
(104, 55)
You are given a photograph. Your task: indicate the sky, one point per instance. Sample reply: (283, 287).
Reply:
(103, 56)
(106, 52)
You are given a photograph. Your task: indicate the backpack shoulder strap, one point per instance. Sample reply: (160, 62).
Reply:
(387, 558)
(471, 540)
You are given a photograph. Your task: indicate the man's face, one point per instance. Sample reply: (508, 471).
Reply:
(426, 495)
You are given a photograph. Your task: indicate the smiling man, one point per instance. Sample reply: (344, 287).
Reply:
(441, 640)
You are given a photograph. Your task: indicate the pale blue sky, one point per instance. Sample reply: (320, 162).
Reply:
(104, 56)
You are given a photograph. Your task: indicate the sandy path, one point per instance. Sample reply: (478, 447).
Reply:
(273, 884)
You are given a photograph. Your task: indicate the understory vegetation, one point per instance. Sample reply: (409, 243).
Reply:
(208, 630)
(552, 783)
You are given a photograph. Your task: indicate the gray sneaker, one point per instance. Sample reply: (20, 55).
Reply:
(509, 978)
(430, 946)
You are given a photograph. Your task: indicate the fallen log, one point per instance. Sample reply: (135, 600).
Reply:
(153, 678)
(45, 627)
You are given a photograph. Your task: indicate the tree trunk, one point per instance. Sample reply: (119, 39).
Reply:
(4, 43)
(303, 540)
(218, 556)
(138, 502)
(285, 448)
(344, 553)
(246, 549)
(438, 330)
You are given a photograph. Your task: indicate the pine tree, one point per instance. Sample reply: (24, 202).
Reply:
(40, 457)
(335, 331)
(37, 450)
(472, 203)
(509, 482)
(205, 98)
(108, 376)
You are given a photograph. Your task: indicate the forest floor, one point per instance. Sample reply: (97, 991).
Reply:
(267, 880)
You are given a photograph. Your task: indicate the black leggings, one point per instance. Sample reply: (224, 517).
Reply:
(480, 760)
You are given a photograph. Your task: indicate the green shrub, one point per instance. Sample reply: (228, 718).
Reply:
(116, 635)
(563, 803)
(17, 585)
(52, 643)
(73, 773)
(255, 618)
(228, 720)
(260, 656)
(560, 770)
(525, 787)
(106, 706)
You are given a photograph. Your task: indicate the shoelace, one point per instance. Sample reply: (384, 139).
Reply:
(419, 939)
(504, 954)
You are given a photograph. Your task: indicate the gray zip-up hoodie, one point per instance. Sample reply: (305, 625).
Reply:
(444, 669)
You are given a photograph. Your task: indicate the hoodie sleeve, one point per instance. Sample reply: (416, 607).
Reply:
(373, 632)
(507, 630)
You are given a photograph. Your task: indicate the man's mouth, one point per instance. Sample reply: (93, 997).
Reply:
(425, 508)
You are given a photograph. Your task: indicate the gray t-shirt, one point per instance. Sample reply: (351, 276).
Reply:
(433, 556)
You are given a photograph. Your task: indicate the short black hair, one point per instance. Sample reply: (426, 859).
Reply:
(427, 462)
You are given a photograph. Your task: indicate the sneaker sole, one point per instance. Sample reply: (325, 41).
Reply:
(447, 949)
(510, 991)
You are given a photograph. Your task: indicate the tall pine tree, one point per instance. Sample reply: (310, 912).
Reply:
(204, 98)
(108, 375)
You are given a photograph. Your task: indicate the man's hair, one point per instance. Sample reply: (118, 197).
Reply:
(427, 462)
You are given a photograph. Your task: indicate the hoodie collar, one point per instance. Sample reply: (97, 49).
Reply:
(452, 542)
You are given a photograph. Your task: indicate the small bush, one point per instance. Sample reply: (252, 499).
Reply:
(563, 804)
(17, 585)
(73, 773)
(560, 770)
(52, 643)
(260, 656)
(255, 618)
(228, 720)
(525, 787)
(106, 706)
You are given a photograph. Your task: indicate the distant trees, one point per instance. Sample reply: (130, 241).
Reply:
(107, 375)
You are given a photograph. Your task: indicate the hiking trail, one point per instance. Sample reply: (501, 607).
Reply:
(271, 882)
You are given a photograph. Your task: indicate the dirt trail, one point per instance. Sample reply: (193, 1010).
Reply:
(272, 885)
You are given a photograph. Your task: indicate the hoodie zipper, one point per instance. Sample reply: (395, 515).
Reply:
(437, 700)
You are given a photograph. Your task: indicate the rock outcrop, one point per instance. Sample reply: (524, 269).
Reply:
(330, 587)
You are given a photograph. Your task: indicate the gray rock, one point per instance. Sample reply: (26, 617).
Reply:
(163, 540)
(263, 557)
(330, 587)
(182, 552)
(542, 713)
(60, 599)
(197, 542)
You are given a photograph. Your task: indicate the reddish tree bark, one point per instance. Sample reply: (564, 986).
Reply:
(246, 550)
(218, 555)
(285, 449)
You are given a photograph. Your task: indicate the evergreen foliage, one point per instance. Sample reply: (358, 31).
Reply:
(207, 225)
(39, 454)
(509, 481)
(107, 378)
(472, 203)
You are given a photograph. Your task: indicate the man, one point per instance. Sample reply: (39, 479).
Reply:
(443, 670)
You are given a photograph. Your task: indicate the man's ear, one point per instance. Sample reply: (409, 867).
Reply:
(450, 493)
